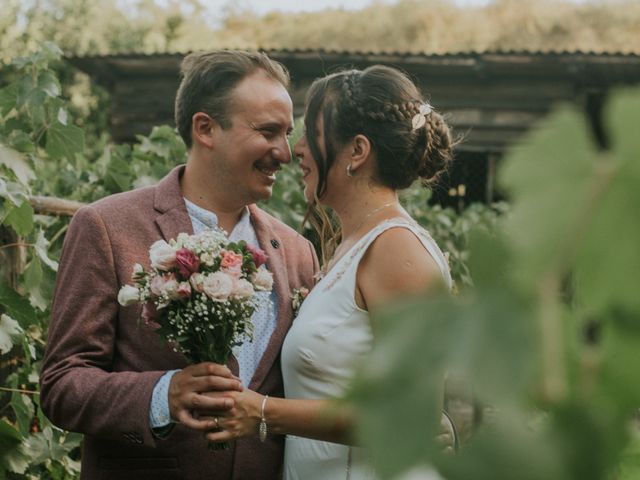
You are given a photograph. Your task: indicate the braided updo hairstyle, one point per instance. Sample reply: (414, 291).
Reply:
(379, 103)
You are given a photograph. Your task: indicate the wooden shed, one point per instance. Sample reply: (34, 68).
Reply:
(491, 98)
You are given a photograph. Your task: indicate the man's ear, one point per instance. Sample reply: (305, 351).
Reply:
(360, 151)
(203, 128)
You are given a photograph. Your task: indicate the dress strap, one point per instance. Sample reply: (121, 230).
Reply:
(359, 249)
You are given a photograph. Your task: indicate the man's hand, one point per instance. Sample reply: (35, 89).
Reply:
(186, 393)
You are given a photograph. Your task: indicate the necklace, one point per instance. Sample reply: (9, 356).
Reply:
(326, 267)
(372, 212)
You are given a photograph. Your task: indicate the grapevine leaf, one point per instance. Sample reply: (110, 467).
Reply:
(17, 306)
(20, 218)
(42, 248)
(9, 330)
(18, 164)
(64, 141)
(49, 84)
(8, 98)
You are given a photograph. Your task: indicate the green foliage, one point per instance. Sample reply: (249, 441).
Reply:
(549, 337)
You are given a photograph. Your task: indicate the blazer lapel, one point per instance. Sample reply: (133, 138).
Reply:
(276, 263)
(169, 202)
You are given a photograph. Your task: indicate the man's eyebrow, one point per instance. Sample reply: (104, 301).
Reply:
(271, 125)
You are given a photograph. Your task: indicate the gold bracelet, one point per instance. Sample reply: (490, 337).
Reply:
(262, 430)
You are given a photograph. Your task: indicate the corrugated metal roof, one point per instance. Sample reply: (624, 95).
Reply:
(321, 51)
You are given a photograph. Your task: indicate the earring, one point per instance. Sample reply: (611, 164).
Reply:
(349, 171)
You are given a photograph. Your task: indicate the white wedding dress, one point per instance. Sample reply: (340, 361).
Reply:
(327, 340)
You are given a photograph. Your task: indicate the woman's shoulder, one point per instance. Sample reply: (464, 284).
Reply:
(398, 261)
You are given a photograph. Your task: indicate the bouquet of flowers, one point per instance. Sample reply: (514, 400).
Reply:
(200, 290)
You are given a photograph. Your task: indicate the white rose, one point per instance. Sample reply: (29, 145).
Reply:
(218, 286)
(207, 259)
(128, 295)
(263, 279)
(164, 285)
(162, 255)
(197, 282)
(243, 289)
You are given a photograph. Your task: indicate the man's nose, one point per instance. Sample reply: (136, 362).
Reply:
(282, 152)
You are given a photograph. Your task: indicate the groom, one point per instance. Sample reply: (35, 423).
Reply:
(107, 374)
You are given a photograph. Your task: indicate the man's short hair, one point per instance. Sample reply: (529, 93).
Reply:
(208, 79)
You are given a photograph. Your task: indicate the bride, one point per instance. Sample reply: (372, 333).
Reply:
(368, 135)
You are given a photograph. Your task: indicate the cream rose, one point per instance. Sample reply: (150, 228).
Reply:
(197, 282)
(162, 255)
(218, 286)
(263, 279)
(243, 289)
(164, 285)
(128, 295)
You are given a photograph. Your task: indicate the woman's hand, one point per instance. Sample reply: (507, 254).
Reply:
(241, 420)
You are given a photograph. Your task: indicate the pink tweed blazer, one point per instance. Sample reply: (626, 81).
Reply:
(102, 362)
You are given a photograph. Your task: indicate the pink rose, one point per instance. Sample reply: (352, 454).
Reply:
(183, 290)
(230, 259)
(243, 289)
(218, 286)
(259, 256)
(231, 263)
(162, 255)
(164, 285)
(188, 262)
(263, 279)
(197, 282)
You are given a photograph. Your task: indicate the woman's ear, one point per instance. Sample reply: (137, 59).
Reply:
(202, 129)
(360, 152)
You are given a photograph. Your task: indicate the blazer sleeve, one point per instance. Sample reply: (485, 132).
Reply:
(79, 390)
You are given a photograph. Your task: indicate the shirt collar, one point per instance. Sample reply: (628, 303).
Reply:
(210, 220)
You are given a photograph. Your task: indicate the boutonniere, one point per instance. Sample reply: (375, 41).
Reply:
(297, 297)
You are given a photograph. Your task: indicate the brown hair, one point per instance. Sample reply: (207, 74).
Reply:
(380, 103)
(208, 78)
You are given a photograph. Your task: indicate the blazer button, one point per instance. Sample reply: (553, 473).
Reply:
(275, 243)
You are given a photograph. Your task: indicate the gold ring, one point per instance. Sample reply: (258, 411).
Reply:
(216, 420)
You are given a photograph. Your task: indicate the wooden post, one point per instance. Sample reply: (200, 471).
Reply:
(14, 257)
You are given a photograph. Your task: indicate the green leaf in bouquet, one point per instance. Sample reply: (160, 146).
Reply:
(20, 218)
(64, 141)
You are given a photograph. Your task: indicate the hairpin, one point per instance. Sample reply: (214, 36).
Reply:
(420, 118)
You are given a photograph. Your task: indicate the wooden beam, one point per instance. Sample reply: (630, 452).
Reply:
(54, 206)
